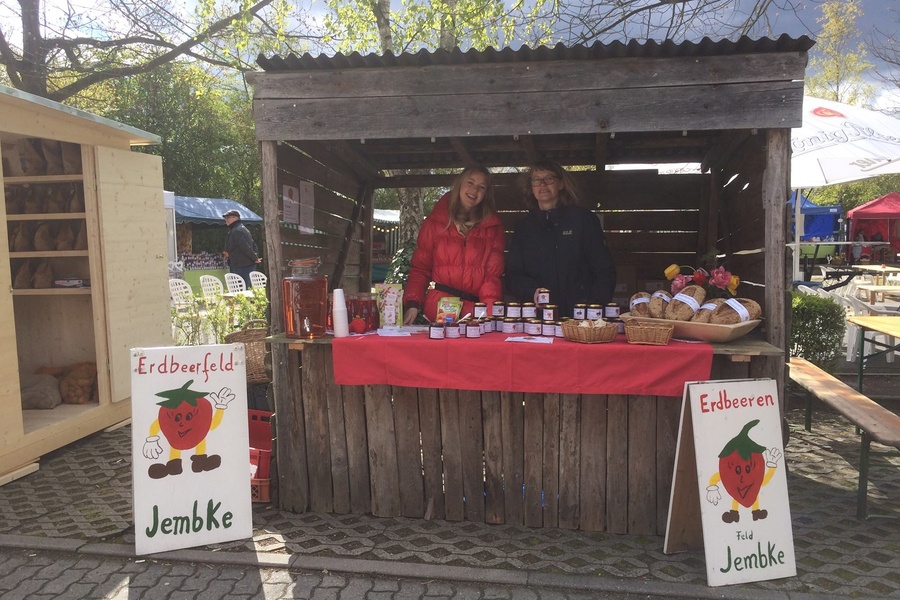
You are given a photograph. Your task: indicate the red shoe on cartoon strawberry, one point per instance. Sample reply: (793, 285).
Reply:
(185, 418)
(745, 467)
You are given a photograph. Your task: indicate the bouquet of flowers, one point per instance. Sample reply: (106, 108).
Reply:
(717, 282)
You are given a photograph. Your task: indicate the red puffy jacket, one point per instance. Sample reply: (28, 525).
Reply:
(471, 263)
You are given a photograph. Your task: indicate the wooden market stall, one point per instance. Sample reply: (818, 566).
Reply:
(83, 275)
(352, 124)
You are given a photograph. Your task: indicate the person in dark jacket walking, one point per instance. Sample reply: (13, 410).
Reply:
(459, 248)
(240, 249)
(559, 245)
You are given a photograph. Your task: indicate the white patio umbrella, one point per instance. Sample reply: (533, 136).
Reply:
(839, 143)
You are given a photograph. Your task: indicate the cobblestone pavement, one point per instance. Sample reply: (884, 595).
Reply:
(79, 502)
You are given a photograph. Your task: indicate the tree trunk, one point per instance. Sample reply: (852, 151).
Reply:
(411, 214)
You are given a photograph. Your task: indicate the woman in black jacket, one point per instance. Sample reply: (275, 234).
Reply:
(559, 246)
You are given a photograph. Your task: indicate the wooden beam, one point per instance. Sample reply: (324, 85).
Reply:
(364, 191)
(268, 154)
(775, 186)
(527, 143)
(724, 148)
(356, 160)
(460, 147)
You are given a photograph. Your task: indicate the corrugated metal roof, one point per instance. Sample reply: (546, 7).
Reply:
(597, 50)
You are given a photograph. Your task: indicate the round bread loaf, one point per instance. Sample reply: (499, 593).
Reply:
(658, 303)
(681, 308)
(724, 314)
(706, 309)
(639, 305)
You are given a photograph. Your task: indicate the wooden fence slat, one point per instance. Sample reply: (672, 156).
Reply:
(432, 463)
(472, 453)
(409, 452)
(290, 425)
(534, 457)
(318, 446)
(593, 442)
(642, 465)
(668, 412)
(617, 464)
(493, 457)
(357, 449)
(550, 462)
(340, 475)
(513, 428)
(451, 448)
(569, 459)
(385, 479)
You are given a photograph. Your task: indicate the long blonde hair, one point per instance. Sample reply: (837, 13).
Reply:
(484, 209)
(568, 196)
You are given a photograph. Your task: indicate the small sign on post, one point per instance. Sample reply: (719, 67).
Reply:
(190, 447)
(733, 430)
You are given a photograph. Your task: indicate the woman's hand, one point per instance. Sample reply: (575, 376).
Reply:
(410, 316)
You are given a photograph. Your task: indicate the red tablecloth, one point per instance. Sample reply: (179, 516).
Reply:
(491, 363)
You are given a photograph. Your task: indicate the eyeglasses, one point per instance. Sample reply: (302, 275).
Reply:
(548, 180)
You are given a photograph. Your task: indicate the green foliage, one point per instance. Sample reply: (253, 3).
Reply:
(837, 66)
(208, 322)
(398, 270)
(817, 330)
(851, 195)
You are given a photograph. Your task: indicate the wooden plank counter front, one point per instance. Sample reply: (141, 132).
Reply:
(576, 461)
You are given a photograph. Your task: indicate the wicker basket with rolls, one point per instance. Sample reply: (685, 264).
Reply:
(589, 332)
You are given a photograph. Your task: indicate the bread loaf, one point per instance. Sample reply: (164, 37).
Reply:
(706, 309)
(639, 305)
(727, 313)
(658, 303)
(685, 303)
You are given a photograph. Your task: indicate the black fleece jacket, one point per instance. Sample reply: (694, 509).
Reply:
(565, 251)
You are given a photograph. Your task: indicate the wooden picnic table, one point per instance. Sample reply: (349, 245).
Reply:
(874, 290)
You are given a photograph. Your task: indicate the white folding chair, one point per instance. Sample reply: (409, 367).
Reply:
(258, 279)
(181, 293)
(212, 287)
(234, 283)
(805, 289)
(861, 309)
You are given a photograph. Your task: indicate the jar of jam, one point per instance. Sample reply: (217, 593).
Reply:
(529, 310)
(518, 326)
(558, 330)
(480, 311)
(594, 312)
(498, 309)
(473, 329)
(550, 312)
(436, 331)
(611, 311)
(548, 329)
(543, 296)
(514, 310)
(463, 325)
(451, 330)
(509, 325)
(580, 311)
(532, 327)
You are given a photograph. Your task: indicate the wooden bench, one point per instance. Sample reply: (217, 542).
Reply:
(874, 421)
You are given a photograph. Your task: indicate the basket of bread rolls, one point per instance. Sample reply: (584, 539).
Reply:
(587, 331)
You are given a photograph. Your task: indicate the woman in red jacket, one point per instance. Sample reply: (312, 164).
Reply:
(459, 248)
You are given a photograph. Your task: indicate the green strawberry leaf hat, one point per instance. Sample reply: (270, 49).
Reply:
(173, 398)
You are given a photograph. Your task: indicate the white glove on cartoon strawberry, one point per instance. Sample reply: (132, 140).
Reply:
(222, 398)
(152, 449)
(713, 495)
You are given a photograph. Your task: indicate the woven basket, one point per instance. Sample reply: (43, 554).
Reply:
(654, 334)
(589, 335)
(253, 339)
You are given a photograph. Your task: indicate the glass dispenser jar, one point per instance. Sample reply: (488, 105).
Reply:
(305, 297)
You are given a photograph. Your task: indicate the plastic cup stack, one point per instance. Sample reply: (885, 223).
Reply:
(339, 314)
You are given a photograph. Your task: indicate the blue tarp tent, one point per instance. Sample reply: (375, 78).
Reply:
(818, 221)
(208, 211)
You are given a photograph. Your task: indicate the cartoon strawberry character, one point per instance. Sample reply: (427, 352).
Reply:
(745, 467)
(185, 418)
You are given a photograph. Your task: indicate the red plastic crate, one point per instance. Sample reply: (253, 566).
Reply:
(260, 429)
(261, 458)
(259, 490)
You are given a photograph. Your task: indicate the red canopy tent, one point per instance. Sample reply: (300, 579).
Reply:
(878, 221)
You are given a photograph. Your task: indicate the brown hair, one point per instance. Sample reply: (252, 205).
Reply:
(479, 213)
(568, 195)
